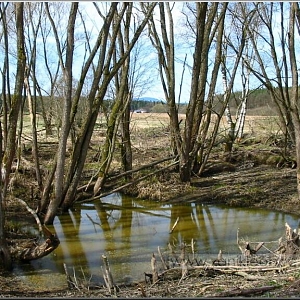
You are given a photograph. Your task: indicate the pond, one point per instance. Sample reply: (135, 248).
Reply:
(128, 230)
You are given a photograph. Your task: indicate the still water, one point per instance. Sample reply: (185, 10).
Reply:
(128, 230)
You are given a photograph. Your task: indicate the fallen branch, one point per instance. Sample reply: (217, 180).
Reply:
(248, 292)
(84, 187)
(37, 251)
(37, 219)
(141, 168)
(247, 276)
(242, 268)
(230, 269)
(127, 184)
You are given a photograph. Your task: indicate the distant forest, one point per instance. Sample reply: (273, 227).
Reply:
(259, 103)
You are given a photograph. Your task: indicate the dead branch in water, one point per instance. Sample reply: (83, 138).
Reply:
(36, 251)
(175, 224)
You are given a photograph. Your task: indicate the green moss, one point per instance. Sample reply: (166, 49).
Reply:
(273, 160)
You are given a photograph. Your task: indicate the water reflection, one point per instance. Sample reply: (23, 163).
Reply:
(129, 230)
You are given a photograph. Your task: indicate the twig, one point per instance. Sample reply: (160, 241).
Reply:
(69, 279)
(193, 248)
(162, 259)
(175, 224)
(184, 270)
(75, 279)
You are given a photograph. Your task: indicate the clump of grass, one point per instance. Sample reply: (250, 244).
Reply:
(13, 226)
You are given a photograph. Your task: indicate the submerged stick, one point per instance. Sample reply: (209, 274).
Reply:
(175, 224)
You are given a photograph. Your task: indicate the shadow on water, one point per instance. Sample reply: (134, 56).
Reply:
(128, 230)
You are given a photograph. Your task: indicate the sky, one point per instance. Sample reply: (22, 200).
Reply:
(155, 90)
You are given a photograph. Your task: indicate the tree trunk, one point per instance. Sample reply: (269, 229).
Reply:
(35, 154)
(294, 94)
(126, 151)
(10, 146)
(62, 146)
(5, 256)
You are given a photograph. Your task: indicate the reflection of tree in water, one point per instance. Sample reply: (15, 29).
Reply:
(186, 229)
(111, 225)
(106, 229)
(119, 246)
(70, 251)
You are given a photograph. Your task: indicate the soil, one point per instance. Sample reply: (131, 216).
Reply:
(249, 178)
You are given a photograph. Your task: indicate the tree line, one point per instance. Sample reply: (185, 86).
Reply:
(56, 50)
(257, 99)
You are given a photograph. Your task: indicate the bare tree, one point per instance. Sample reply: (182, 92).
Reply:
(6, 20)
(33, 9)
(165, 47)
(104, 72)
(203, 24)
(271, 62)
(120, 109)
(241, 17)
(10, 150)
(122, 100)
(196, 145)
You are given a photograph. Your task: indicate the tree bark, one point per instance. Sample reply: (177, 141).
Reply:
(67, 73)
(10, 150)
(294, 93)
